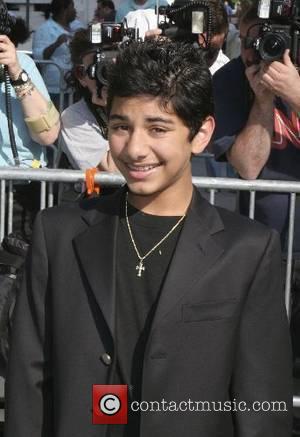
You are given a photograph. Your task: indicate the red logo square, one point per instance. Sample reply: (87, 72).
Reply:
(110, 404)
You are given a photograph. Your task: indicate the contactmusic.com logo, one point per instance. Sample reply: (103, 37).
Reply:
(110, 404)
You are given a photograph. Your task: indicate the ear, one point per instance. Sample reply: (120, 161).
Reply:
(203, 136)
(202, 39)
(102, 99)
(80, 79)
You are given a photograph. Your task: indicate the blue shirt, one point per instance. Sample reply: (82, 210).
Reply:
(28, 149)
(131, 5)
(44, 37)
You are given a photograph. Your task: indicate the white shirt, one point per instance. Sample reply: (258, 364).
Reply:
(219, 62)
(142, 19)
(80, 138)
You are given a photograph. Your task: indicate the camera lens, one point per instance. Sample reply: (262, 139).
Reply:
(272, 46)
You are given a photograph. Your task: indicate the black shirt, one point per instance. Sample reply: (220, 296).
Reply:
(137, 297)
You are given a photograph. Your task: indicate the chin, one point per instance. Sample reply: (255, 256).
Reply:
(142, 189)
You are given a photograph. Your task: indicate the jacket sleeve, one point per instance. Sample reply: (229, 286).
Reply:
(262, 376)
(28, 385)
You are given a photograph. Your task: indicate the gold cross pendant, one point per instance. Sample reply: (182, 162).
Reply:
(140, 269)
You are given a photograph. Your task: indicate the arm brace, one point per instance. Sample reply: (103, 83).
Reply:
(45, 121)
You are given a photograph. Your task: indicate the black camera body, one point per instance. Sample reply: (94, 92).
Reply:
(108, 39)
(274, 39)
(110, 35)
(184, 21)
(281, 31)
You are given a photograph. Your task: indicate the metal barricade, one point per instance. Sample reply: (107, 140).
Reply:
(48, 177)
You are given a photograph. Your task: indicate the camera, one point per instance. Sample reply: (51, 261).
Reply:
(184, 21)
(108, 39)
(281, 31)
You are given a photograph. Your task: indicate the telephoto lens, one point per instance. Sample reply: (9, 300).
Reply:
(273, 44)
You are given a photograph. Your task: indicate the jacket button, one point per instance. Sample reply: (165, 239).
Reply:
(106, 359)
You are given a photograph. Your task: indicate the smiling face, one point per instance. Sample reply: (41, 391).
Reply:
(152, 149)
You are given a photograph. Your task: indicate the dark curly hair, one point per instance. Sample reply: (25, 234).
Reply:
(175, 72)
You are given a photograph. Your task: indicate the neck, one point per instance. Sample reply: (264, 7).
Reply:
(166, 203)
(60, 19)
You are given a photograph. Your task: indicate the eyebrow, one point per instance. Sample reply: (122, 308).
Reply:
(148, 119)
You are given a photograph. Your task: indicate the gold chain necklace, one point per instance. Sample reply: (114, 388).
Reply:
(140, 267)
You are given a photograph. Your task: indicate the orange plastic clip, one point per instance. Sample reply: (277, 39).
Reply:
(91, 187)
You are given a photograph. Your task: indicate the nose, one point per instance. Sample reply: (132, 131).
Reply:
(136, 147)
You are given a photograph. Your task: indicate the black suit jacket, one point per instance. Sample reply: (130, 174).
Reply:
(219, 333)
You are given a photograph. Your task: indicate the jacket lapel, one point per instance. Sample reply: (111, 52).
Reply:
(96, 252)
(195, 254)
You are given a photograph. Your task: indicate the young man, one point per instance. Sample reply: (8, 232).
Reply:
(152, 287)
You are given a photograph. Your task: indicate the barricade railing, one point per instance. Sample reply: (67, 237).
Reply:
(47, 177)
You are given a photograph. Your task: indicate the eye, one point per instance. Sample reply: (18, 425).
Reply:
(119, 128)
(157, 130)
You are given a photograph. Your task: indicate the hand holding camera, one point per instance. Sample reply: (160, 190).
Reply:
(8, 56)
(282, 79)
(263, 95)
(280, 32)
(277, 78)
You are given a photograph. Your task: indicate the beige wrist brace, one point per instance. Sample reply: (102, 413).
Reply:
(44, 122)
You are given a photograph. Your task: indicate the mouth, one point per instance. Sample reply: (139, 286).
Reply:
(141, 171)
(142, 167)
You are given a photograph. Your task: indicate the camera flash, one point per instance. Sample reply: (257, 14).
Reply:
(264, 8)
(96, 33)
(197, 22)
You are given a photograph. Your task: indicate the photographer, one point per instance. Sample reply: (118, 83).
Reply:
(51, 43)
(35, 121)
(257, 124)
(218, 30)
(84, 122)
(31, 101)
